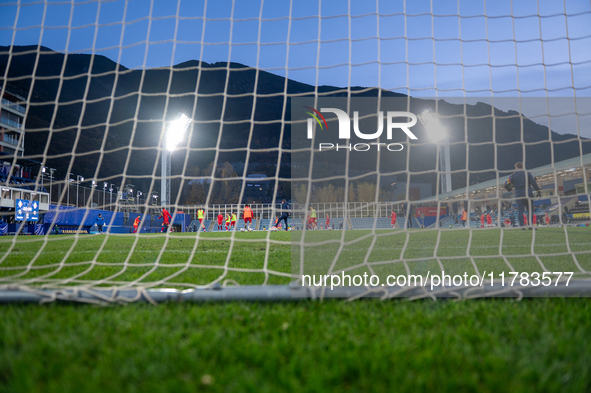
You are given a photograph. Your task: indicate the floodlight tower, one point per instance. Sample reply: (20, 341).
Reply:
(171, 138)
(438, 134)
(44, 175)
(78, 180)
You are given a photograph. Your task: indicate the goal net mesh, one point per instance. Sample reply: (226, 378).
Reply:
(384, 132)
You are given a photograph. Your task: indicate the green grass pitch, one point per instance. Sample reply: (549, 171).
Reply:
(367, 345)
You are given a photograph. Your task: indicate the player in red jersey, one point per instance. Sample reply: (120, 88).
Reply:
(228, 220)
(327, 224)
(489, 220)
(233, 221)
(136, 224)
(220, 222)
(200, 217)
(393, 218)
(247, 214)
(482, 218)
(166, 220)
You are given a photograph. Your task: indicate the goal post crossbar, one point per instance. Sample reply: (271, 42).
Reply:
(286, 293)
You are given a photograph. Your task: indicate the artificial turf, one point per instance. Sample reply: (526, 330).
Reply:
(485, 345)
(188, 261)
(368, 345)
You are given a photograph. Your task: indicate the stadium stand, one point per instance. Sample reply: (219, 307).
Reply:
(579, 213)
(206, 224)
(194, 225)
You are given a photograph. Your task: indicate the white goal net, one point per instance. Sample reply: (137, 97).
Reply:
(204, 150)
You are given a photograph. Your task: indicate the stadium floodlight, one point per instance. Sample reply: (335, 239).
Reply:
(48, 172)
(105, 185)
(173, 135)
(438, 134)
(51, 172)
(111, 195)
(176, 131)
(92, 185)
(68, 185)
(435, 130)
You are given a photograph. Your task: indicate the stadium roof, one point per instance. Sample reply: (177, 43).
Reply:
(561, 166)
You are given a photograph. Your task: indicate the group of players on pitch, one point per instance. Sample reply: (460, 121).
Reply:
(523, 182)
(312, 220)
(487, 221)
(247, 215)
(229, 220)
(164, 214)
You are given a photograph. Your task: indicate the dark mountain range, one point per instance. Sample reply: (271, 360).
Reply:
(119, 113)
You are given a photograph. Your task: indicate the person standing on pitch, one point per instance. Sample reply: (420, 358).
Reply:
(228, 220)
(523, 182)
(247, 214)
(100, 221)
(165, 220)
(284, 213)
(393, 218)
(547, 218)
(200, 215)
(408, 214)
(407, 217)
(313, 217)
(327, 222)
(220, 222)
(136, 224)
(464, 217)
(233, 222)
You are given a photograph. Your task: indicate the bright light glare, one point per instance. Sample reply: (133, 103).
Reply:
(176, 131)
(433, 126)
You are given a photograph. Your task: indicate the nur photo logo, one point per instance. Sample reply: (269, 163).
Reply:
(344, 128)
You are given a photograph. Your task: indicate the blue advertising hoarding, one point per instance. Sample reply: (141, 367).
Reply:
(26, 210)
